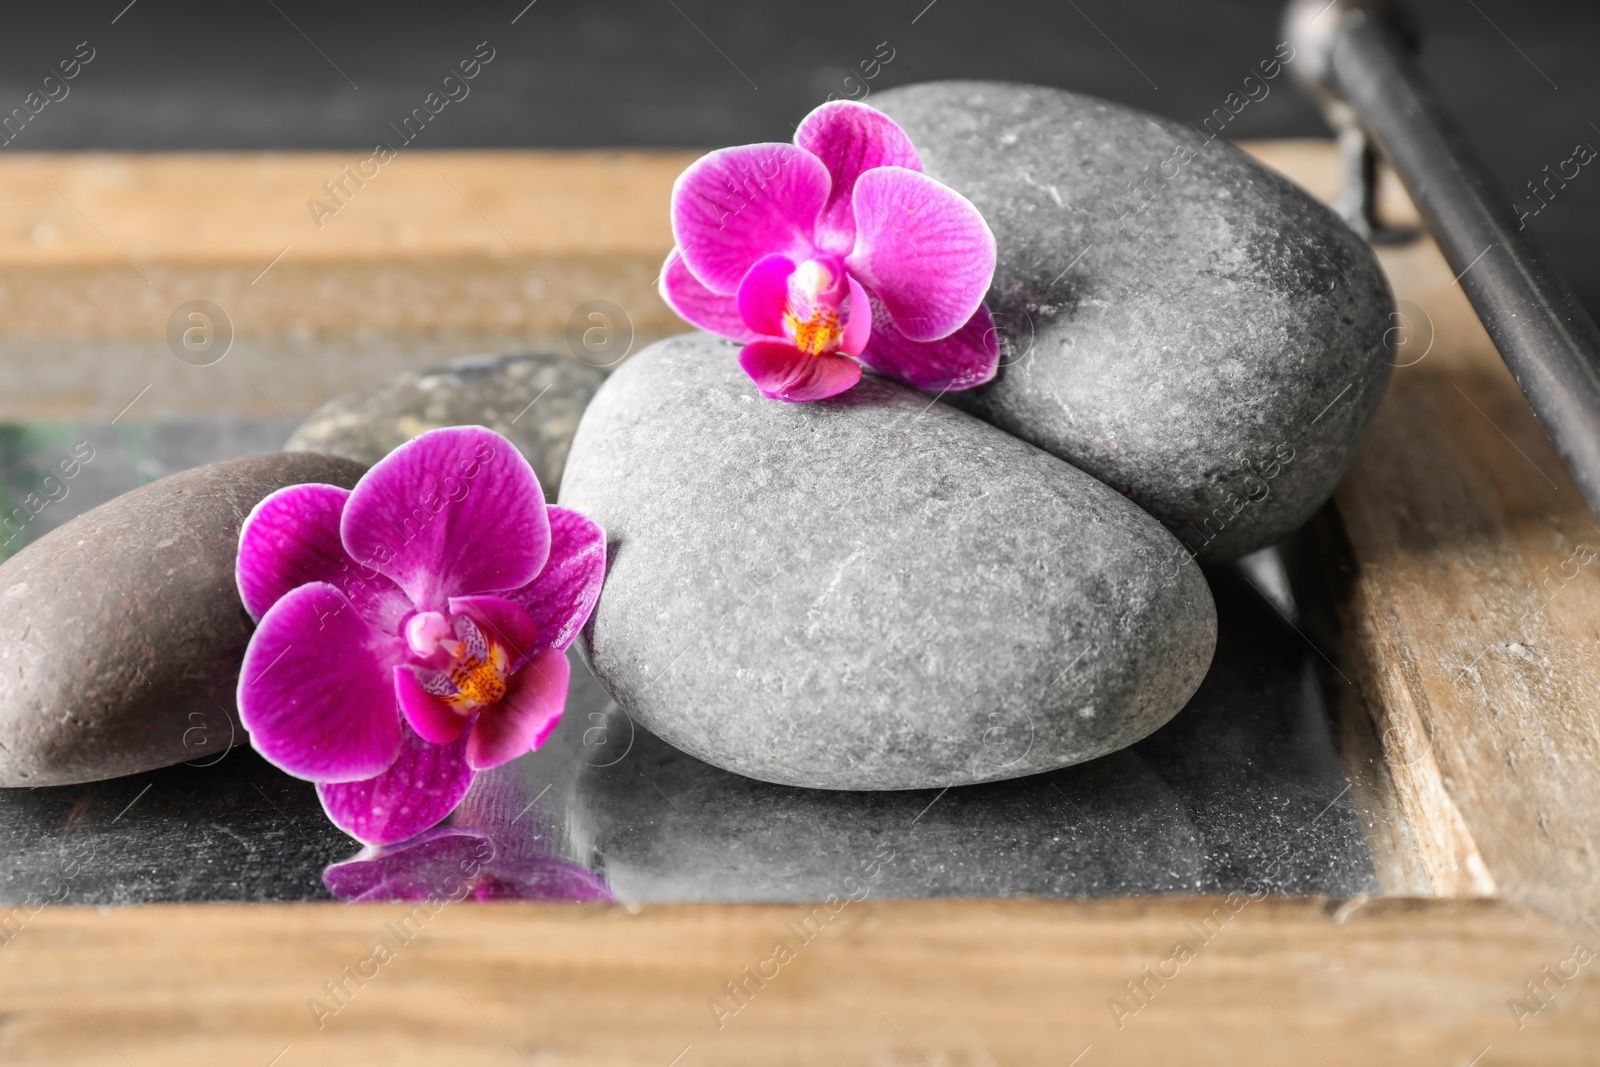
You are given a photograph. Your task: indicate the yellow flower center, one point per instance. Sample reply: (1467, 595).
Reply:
(817, 335)
(811, 316)
(478, 681)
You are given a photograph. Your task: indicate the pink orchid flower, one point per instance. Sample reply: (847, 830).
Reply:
(411, 630)
(836, 246)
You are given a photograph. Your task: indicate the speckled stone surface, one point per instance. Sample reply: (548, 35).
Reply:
(870, 592)
(535, 401)
(1183, 324)
(121, 631)
(1240, 792)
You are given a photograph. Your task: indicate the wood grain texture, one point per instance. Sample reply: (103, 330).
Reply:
(1474, 626)
(1472, 621)
(440, 254)
(139, 231)
(969, 984)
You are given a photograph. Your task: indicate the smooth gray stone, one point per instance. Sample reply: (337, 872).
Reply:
(870, 592)
(534, 401)
(1201, 336)
(1241, 792)
(121, 631)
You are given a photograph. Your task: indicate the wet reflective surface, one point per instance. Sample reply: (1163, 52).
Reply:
(1241, 791)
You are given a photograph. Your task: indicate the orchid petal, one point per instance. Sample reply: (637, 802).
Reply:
(291, 539)
(432, 719)
(562, 597)
(454, 511)
(424, 784)
(923, 249)
(503, 621)
(544, 878)
(735, 205)
(764, 294)
(965, 359)
(535, 698)
(850, 138)
(858, 321)
(437, 864)
(698, 305)
(783, 372)
(315, 688)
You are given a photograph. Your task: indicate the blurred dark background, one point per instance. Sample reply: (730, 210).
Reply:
(1521, 78)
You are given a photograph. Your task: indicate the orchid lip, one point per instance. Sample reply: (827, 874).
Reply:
(813, 312)
(475, 674)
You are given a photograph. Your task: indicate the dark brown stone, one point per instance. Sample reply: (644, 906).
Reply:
(121, 632)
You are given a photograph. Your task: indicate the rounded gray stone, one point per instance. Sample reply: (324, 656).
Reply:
(121, 631)
(534, 401)
(1177, 320)
(869, 592)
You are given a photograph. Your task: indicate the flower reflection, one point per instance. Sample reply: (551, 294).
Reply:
(451, 863)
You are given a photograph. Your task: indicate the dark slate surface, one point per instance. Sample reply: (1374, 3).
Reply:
(1240, 792)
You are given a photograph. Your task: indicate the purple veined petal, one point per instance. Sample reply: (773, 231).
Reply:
(858, 320)
(416, 793)
(540, 879)
(850, 138)
(735, 205)
(764, 295)
(699, 306)
(783, 372)
(438, 864)
(562, 597)
(432, 719)
(316, 691)
(921, 248)
(503, 621)
(531, 708)
(450, 513)
(291, 539)
(966, 359)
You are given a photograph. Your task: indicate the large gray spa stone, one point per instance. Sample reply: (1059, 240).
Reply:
(870, 592)
(1179, 321)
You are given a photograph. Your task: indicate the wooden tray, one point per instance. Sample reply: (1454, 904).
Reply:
(1460, 615)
